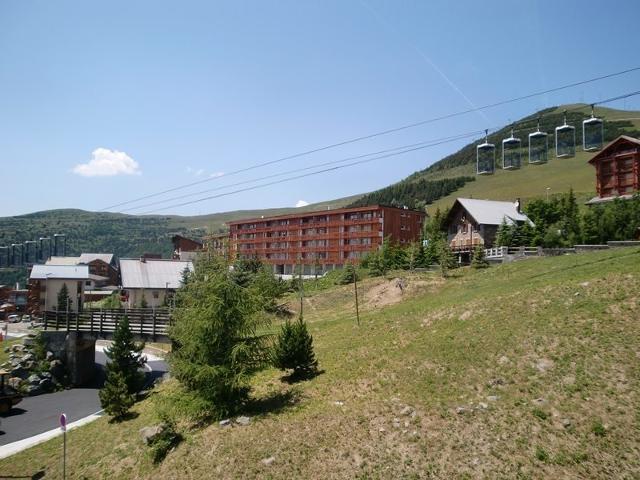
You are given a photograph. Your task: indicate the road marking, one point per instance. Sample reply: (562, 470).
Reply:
(15, 447)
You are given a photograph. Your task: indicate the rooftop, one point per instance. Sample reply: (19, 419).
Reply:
(492, 212)
(66, 272)
(319, 213)
(90, 257)
(152, 273)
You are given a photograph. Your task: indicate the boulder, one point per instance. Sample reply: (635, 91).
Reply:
(33, 390)
(49, 356)
(29, 357)
(29, 341)
(28, 365)
(244, 421)
(17, 347)
(56, 369)
(224, 423)
(151, 434)
(33, 379)
(268, 461)
(19, 372)
(46, 384)
(14, 382)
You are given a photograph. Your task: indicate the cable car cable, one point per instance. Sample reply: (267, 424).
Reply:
(380, 133)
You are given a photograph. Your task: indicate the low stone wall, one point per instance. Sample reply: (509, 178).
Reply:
(590, 248)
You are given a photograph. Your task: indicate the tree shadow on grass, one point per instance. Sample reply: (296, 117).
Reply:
(300, 377)
(126, 417)
(275, 402)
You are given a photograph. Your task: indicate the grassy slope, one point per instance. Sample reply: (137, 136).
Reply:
(531, 181)
(535, 342)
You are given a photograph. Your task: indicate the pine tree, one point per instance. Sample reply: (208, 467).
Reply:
(217, 344)
(64, 302)
(504, 235)
(114, 396)
(124, 357)
(445, 258)
(294, 350)
(349, 274)
(479, 260)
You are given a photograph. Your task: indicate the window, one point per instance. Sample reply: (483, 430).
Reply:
(87, 283)
(156, 294)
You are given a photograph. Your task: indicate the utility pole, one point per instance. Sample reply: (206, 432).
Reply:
(355, 286)
(301, 286)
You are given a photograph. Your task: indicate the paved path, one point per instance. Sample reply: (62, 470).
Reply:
(36, 415)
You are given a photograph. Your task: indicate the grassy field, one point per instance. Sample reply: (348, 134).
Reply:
(526, 370)
(4, 356)
(530, 181)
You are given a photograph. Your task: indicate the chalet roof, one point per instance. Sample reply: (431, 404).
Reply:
(63, 261)
(491, 212)
(66, 272)
(90, 257)
(604, 152)
(152, 273)
(83, 258)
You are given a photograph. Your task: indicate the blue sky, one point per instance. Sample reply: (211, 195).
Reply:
(103, 102)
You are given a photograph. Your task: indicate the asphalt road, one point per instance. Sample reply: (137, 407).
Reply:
(35, 415)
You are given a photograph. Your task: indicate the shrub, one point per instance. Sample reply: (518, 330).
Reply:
(479, 260)
(348, 275)
(114, 396)
(598, 429)
(165, 441)
(294, 350)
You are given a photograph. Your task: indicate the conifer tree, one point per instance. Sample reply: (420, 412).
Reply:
(445, 258)
(504, 235)
(64, 302)
(124, 357)
(294, 350)
(114, 396)
(479, 259)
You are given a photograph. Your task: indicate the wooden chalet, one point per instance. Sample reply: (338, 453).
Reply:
(185, 248)
(617, 169)
(472, 222)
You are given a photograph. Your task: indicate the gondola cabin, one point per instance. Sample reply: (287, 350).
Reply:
(617, 169)
(565, 141)
(511, 153)
(538, 147)
(485, 158)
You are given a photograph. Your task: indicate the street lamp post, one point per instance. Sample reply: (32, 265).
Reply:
(548, 188)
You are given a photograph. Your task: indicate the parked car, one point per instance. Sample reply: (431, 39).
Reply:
(13, 318)
(26, 318)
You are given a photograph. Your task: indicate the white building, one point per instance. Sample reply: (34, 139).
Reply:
(151, 279)
(51, 278)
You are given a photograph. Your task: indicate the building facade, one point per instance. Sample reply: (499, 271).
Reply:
(617, 169)
(151, 283)
(473, 222)
(321, 241)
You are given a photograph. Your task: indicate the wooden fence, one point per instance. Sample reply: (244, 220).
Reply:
(146, 322)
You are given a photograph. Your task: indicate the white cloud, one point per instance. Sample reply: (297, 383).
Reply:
(107, 163)
(199, 172)
(301, 203)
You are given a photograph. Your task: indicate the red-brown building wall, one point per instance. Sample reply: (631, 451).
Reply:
(328, 239)
(618, 168)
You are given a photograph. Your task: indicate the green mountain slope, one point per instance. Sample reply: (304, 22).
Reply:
(528, 182)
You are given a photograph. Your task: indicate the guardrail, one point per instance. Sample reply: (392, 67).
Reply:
(146, 322)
